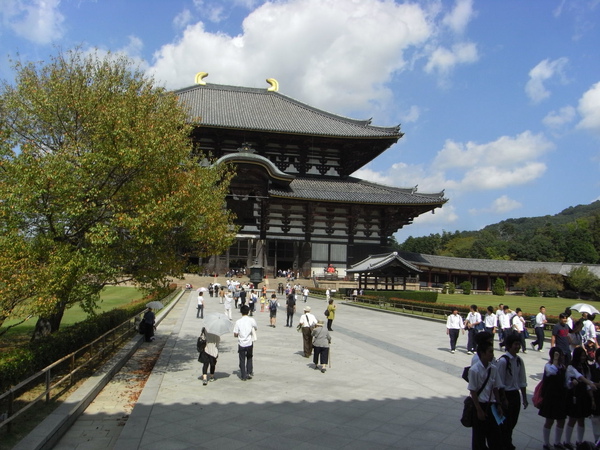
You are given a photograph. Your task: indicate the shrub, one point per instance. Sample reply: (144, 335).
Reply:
(567, 293)
(466, 286)
(499, 287)
(532, 291)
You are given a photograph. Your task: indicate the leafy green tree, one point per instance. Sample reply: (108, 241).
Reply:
(98, 185)
(580, 245)
(539, 280)
(583, 281)
(499, 287)
(430, 245)
(459, 247)
(466, 286)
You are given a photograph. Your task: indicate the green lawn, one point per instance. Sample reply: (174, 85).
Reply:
(112, 297)
(529, 305)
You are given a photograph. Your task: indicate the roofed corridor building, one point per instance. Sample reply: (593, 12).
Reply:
(391, 271)
(297, 205)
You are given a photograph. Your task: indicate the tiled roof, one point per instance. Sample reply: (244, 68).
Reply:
(491, 265)
(377, 262)
(354, 190)
(235, 107)
(410, 259)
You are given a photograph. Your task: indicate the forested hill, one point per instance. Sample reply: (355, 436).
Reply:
(573, 235)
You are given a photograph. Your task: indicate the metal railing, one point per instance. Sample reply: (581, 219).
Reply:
(62, 373)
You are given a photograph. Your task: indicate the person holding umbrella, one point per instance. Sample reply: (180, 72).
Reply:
(149, 321)
(209, 352)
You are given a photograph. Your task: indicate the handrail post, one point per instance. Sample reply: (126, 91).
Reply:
(48, 386)
(11, 398)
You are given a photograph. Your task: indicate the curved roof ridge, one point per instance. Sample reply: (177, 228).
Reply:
(187, 94)
(252, 158)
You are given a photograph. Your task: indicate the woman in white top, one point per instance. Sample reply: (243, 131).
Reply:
(208, 356)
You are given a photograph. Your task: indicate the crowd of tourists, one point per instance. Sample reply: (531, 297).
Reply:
(568, 393)
(245, 297)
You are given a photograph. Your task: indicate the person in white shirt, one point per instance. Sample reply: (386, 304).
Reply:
(570, 322)
(305, 293)
(307, 322)
(589, 329)
(518, 323)
(506, 325)
(200, 307)
(499, 318)
(484, 385)
(243, 331)
(490, 320)
(513, 379)
(472, 324)
(454, 324)
(227, 304)
(540, 322)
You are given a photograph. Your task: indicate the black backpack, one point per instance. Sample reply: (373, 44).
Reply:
(201, 343)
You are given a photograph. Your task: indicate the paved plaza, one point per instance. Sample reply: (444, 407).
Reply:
(392, 384)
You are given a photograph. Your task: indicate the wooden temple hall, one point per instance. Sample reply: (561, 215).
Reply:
(297, 204)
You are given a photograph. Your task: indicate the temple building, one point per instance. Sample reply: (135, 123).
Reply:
(297, 204)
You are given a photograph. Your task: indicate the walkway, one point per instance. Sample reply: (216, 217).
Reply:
(392, 384)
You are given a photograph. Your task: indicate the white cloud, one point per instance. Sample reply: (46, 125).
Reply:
(442, 216)
(557, 119)
(412, 115)
(443, 60)
(344, 52)
(540, 74)
(501, 205)
(38, 21)
(458, 19)
(466, 168)
(183, 19)
(492, 177)
(505, 151)
(589, 109)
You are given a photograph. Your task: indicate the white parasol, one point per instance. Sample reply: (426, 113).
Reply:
(585, 307)
(218, 323)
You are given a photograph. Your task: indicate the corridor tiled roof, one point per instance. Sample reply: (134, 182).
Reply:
(491, 265)
(377, 262)
(355, 190)
(234, 107)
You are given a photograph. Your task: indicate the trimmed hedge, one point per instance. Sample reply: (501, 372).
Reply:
(18, 364)
(429, 297)
(419, 296)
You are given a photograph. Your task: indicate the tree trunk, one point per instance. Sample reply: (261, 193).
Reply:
(50, 324)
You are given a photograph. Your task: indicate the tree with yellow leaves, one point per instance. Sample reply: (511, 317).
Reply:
(97, 183)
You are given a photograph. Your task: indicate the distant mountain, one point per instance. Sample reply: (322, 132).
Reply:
(568, 215)
(573, 235)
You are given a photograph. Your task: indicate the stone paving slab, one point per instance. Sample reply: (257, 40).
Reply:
(392, 384)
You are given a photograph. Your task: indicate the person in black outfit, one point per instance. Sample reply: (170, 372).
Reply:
(290, 308)
(149, 321)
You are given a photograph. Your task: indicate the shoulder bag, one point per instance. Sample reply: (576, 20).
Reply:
(469, 405)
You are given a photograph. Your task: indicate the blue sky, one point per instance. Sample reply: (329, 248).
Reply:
(499, 100)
